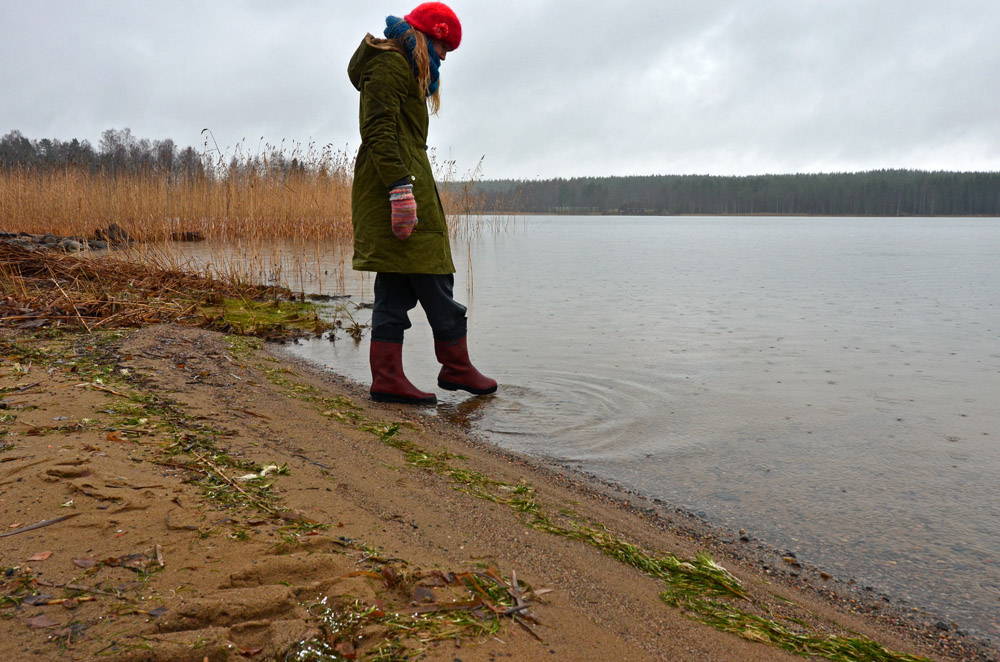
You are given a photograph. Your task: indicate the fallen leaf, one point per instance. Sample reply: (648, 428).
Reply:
(117, 435)
(16, 525)
(40, 556)
(42, 621)
(84, 563)
(390, 575)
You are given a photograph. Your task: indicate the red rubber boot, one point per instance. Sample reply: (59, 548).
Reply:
(389, 384)
(457, 371)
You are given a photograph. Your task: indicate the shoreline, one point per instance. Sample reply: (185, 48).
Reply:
(142, 436)
(787, 564)
(752, 553)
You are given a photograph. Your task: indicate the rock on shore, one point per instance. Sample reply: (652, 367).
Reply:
(113, 236)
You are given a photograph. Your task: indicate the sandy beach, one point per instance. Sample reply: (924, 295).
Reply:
(172, 493)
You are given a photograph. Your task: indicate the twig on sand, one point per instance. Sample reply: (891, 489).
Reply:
(105, 389)
(71, 302)
(39, 525)
(232, 483)
(76, 587)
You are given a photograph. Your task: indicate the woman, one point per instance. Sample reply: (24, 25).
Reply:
(399, 225)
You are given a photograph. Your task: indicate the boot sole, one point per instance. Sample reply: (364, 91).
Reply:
(452, 386)
(402, 399)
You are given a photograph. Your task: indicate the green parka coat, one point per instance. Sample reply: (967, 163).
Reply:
(394, 120)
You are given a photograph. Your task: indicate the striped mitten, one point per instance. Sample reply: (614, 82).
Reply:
(404, 210)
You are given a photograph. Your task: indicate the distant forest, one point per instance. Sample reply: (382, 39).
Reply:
(874, 193)
(118, 152)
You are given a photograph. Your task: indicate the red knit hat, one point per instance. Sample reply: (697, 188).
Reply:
(438, 21)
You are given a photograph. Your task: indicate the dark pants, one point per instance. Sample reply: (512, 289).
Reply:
(397, 294)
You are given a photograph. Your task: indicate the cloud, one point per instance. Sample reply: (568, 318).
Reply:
(543, 88)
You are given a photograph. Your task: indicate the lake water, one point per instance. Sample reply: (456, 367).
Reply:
(829, 384)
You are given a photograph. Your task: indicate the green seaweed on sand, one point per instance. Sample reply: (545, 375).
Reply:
(699, 587)
(271, 318)
(691, 584)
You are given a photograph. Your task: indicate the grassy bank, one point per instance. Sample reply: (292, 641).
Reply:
(51, 289)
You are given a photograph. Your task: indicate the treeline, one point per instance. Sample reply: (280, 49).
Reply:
(120, 152)
(873, 193)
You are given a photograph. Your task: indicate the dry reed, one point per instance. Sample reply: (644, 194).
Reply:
(268, 218)
(49, 288)
(305, 196)
(244, 203)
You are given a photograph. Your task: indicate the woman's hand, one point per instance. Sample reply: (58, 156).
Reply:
(404, 210)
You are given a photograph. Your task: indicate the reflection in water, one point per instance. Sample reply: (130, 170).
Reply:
(830, 385)
(313, 267)
(466, 412)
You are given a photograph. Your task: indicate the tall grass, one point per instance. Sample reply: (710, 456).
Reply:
(244, 199)
(275, 217)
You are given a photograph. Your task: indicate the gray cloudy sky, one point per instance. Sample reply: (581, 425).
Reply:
(541, 88)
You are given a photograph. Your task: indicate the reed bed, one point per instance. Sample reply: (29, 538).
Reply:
(245, 198)
(274, 218)
(247, 203)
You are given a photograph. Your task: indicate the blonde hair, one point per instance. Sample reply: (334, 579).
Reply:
(422, 59)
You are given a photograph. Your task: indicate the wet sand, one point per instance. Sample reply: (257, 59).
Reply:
(169, 548)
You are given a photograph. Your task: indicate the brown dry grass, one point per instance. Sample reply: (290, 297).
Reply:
(240, 198)
(244, 203)
(47, 288)
(264, 221)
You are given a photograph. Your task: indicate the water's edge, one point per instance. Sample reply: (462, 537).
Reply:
(736, 548)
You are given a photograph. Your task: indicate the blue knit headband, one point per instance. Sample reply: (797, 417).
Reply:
(396, 28)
